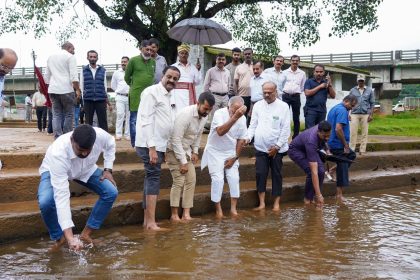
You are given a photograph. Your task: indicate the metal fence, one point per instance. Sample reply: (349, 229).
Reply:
(29, 71)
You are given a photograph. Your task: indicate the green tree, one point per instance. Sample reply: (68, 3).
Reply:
(255, 22)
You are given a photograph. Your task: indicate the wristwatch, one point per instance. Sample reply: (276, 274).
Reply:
(108, 169)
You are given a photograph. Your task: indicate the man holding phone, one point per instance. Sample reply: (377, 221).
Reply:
(317, 90)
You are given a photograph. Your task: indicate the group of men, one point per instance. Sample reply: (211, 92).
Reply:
(166, 121)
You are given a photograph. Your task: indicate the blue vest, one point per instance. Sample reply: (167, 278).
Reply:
(94, 89)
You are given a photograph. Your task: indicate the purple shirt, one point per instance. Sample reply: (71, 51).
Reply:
(308, 143)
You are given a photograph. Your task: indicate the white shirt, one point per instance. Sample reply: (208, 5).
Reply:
(118, 83)
(38, 100)
(61, 72)
(64, 165)
(187, 131)
(255, 85)
(189, 74)
(277, 77)
(28, 101)
(295, 81)
(270, 125)
(93, 70)
(220, 148)
(155, 118)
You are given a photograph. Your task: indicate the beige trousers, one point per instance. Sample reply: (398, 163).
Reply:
(182, 184)
(356, 120)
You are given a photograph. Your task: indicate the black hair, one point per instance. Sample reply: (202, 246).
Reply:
(144, 43)
(236, 49)
(324, 126)
(248, 49)
(221, 54)
(125, 57)
(154, 41)
(278, 56)
(260, 62)
(319, 65)
(206, 96)
(1, 52)
(84, 135)
(351, 98)
(170, 67)
(294, 56)
(92, 51)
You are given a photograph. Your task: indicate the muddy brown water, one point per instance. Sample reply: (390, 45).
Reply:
(376, 236)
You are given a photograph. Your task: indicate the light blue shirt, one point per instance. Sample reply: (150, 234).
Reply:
(277, 77)
(255, 85)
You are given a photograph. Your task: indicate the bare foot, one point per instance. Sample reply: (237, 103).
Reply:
(340, 199)
(219, 215)
(233, 212)
(307, 201)
(276, 208)
(155, 227)
(187, 218)
(57, 245)
(259, 208)
(175, 219)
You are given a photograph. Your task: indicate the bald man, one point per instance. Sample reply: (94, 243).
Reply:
(8, 59)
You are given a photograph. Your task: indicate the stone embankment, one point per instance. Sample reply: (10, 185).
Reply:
(390, 164)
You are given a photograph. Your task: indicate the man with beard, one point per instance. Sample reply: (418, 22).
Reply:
(217, 82)
(73, 156)
(224, 145)
(62, 80)
(121, 88)
(154, 126)
(8, 60)
(270, 128)
(182, 153)
(139, 74)
(184, 93)
(236, 60)
(95, 97)
(317, 90)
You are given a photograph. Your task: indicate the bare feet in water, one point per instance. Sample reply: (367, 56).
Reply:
(175, 219)
(259, 208)
(57, 245)
(340, 199)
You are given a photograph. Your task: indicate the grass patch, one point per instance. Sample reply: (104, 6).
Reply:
(402, 124)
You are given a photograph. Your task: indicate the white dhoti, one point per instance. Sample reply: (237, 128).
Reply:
(215, 161)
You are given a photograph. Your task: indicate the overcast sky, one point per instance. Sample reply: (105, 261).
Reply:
(399, 29)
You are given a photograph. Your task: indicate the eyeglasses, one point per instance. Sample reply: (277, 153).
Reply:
(5, 68)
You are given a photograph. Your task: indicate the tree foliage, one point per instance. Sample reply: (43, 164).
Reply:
(255, 22)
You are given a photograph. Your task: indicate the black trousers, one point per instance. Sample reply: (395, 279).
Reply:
(41, 115)
(342, 171)
(293, 100)
(262, 165)
(90, 107)
(247, 103)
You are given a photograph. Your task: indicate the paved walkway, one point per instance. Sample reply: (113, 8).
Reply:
(29, 140)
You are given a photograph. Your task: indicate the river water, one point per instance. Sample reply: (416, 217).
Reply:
(375, 236)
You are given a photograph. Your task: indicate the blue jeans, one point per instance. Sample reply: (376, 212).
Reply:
(133, 121)
(151, 173)
(107, 195)
(312, 117)
(76, 115)
(62, 108)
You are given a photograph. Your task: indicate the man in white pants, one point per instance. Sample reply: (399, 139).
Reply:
(121, 88)
(225, 142)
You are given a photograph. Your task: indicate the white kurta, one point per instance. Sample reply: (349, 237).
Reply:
(220, 148)
(189, 74)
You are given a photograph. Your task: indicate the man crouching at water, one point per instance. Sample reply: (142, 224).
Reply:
(303, 150)
(73, 156)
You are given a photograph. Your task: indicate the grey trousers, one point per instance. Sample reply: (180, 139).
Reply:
(63, 112)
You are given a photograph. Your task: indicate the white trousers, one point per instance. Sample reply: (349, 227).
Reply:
(217, 181)
(356, 120)
(123, 113)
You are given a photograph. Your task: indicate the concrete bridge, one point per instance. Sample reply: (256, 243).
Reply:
(388, 70)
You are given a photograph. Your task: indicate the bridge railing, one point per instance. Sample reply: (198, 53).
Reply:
(408, 55)
(349, 57)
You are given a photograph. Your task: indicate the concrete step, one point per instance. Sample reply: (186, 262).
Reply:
(23, 159)
(18, 124)
(21, 184)
(22, 219)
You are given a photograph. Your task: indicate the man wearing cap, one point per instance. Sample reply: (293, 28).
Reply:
(184, 93)
(139, 74)
(362, 114)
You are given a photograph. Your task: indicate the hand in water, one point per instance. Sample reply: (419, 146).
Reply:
(75, 244)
